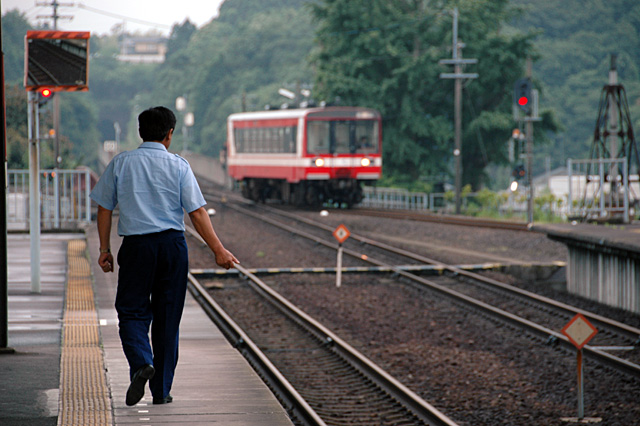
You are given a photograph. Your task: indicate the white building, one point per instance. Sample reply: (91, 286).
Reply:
(143, 49)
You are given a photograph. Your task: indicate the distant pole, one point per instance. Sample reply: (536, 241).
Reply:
(580, 385)
(117, 130)
(613, 137)
(458, 132)
(529, 136)
(339, 267)
(458, 75)
(4, 274)
(54, 16)
(34, 190)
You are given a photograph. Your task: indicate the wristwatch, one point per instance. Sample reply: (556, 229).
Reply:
(107, 250)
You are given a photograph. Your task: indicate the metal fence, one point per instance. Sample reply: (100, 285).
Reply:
(64, 198)
(392, 198)
(599, 188)
(400, 199)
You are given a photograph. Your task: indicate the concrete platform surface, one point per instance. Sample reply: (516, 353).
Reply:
(213, 382)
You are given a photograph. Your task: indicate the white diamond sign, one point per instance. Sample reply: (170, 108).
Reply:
(579, 331)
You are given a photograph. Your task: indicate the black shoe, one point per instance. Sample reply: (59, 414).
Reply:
(166, 400)
(136, 388)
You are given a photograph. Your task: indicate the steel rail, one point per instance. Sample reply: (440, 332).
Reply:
(418, 406)
(536, 329)
(635, 332)
(292, 400)
(438, 218)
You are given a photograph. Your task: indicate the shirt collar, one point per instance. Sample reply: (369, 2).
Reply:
(153, 145)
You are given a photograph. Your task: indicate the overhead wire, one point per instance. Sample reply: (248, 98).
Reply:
(121, 17)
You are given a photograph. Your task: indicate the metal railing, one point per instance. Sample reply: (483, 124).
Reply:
(64, 198)
(400, 199)
(599, 188)
(393, 198)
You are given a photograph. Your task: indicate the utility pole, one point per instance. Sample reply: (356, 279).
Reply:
(458, 75)
(57, 160)
(55, 17)
(56, 100)
(34, 189)
(4, 273)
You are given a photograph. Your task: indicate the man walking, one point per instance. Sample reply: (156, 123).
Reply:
(152, 187)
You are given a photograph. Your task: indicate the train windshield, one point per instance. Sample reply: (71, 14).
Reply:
(342, 137)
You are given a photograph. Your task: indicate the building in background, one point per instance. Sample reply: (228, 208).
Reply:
(142, 49)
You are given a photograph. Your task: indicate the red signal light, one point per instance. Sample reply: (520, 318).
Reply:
(46, 93)
(523, 101)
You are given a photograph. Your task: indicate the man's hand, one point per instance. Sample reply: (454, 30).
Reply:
(106, 262)
(225, 259)
(104, 233)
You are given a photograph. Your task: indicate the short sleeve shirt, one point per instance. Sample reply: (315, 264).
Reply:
(151, 187)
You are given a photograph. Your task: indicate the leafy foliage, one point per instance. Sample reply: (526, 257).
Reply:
(376, 53)
(78, 139)
(384, 55)
(14, 28)
(575, 61)
(237, 62)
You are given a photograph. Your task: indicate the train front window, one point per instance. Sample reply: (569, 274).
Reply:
(366, 137)
(342, 137)
(318, 141)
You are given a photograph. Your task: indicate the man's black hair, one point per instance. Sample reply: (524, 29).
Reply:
(154, 124)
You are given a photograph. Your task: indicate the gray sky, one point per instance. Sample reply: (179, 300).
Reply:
(100, 16)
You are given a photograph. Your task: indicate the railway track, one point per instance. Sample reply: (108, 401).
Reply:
(613, 335)
(439, 218)
(327, 381)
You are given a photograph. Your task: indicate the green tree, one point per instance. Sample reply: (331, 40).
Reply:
(14, 29)
(179, 39)
(16, 117)
(236, 62)
(575, 60)
(114, 87)
(79, 136)
(384, 54)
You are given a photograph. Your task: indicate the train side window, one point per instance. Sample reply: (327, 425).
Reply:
(238, 136)
(294, 139)
(267, 140)
(253, 135)
(275, 140)
(279, 137)
(260, 140)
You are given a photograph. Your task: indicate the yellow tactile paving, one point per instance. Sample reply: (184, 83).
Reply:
(84, 395)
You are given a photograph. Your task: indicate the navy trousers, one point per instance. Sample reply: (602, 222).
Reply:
(152, 284)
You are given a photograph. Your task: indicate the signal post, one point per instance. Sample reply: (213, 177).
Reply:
(525, 100)
(43, 76)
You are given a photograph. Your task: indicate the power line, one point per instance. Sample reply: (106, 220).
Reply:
(122, 17)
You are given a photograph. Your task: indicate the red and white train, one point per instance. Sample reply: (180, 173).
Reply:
(305, 156)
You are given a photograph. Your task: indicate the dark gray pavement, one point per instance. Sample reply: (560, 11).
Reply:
(30, 377)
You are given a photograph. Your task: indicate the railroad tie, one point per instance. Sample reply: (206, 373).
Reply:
(84, 395)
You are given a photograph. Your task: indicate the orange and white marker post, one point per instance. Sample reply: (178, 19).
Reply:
(579, 331)
(341, 234)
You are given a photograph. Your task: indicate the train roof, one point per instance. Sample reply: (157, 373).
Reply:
(319, 112)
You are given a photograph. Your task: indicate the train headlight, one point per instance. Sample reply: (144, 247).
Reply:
(365, 162)
(319, 162)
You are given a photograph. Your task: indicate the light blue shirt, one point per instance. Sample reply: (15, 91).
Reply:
(152, 187)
